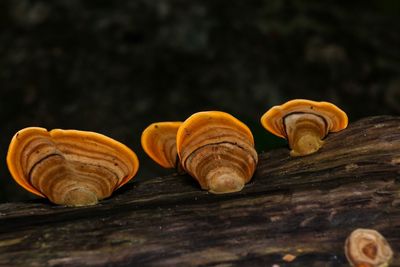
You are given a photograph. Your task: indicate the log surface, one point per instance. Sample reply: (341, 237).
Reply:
(301, 206)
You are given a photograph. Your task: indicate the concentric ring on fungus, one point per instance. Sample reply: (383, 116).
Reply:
(217, 150)
(69, 167)
(159, 142)
(304, 123)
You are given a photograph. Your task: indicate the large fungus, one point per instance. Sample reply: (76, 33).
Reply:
(217, 150)
(69, 167)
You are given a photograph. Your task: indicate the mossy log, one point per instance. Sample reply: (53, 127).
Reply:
(304, 206)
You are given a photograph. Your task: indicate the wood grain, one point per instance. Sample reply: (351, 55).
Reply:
(302, 206)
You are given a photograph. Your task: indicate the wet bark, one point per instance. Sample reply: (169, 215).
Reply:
(301, 206)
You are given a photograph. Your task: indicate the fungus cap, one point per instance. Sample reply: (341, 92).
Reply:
(159, 142)
(217, 150)
(367, 247)
(33, 151)
(189, 128)
(274, 119)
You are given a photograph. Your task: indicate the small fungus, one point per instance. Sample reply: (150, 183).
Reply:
(367, 248)
(304, 123)
(289, 257)
(159, 142)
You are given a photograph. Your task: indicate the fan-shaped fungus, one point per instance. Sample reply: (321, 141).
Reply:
(217, 150)
(70, 167)
(304, 123)
(159, 142)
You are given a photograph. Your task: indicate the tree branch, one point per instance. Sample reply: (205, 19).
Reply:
(304, 206)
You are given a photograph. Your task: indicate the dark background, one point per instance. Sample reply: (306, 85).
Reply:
(116, 66)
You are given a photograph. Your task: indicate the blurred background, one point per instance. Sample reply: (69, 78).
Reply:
(116, 66)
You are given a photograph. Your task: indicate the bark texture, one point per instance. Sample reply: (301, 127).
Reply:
(304, 206)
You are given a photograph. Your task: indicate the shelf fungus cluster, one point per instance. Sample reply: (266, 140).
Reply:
(367, 248)
(212, 146)
(304, 123)
(69, 167)
(78, 168)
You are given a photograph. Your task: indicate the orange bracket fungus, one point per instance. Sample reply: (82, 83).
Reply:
(69, 167)
(217, 150)
(304, 123)
(367, 248)
(159, 142)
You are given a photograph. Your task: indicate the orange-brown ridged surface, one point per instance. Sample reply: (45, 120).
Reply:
(159, 142)
(69, 167)
(304, 123)
(272, 120)
(217, 150)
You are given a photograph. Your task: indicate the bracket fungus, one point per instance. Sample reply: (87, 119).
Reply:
(304, 123)
(217, 150)
(159, 142)
(367, 248)
(69, 167)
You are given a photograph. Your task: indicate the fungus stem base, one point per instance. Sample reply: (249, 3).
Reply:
(227, 182)
(80, 197)
(306, 144)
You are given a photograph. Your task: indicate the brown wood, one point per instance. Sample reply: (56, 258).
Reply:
(300, 206)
